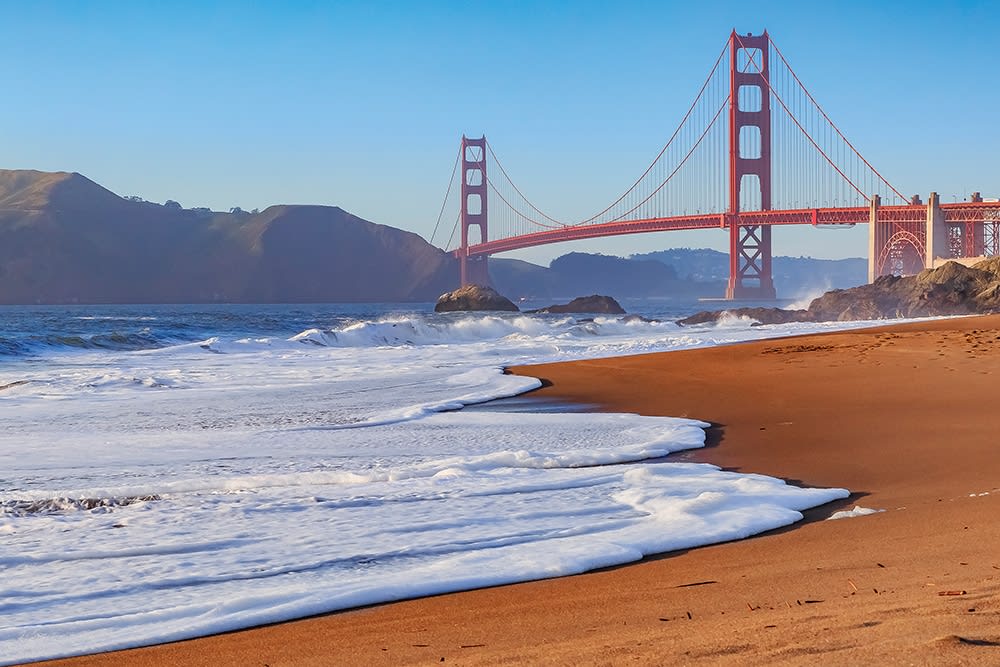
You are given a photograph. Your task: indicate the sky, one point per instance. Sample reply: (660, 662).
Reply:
(362, 104)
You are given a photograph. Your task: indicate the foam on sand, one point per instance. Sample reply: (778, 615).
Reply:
(851, 513)
(449, 502)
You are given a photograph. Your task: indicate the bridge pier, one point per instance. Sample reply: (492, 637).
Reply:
(475, 271)
(936, 236)
(750, 262)
(873, 239)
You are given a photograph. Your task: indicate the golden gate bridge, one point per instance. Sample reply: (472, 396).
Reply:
(755, 150)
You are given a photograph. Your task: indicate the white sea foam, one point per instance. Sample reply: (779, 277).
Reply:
(223, 550)
(851, 513)
(284, 476)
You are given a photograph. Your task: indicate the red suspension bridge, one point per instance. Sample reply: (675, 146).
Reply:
(754, 151)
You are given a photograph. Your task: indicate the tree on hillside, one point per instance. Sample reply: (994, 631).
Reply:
(170, 203)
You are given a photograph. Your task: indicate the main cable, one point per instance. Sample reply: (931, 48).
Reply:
(451, 181)
(846, 140)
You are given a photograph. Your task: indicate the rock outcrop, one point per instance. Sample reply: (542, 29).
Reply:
(629, 319)
(951, 289)
(761, 315)
(595, 303)
(473, 297)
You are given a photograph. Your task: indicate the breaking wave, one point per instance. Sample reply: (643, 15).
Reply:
(413, 331)
(408, 330)
(26, 507)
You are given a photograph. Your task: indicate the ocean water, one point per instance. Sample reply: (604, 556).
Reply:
(173, 471)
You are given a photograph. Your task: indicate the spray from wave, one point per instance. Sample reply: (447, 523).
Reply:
(804, 299)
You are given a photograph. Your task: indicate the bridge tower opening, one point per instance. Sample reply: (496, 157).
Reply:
(474, 270)
(749, 166)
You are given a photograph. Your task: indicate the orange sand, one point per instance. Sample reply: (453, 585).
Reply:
(904, 416)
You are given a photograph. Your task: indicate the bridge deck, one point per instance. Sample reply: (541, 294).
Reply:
(956, 212)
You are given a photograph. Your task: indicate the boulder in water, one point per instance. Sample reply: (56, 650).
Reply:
(629, 319)
(594, 303)
(474, 297)
(760, 315)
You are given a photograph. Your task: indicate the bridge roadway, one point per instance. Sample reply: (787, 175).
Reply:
(961, 212)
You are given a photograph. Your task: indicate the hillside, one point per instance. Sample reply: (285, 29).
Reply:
(578, 273)
(679, 272)
(66, 239)
(793, 276)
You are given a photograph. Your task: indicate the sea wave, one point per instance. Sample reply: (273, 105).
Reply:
(394, 331)
(38, 344)
(417, 331)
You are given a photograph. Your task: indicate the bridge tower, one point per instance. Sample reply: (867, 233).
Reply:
(749, 165)
(474, 270)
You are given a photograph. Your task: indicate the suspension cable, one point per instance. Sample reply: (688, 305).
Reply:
(635, 207)
(451, 181)
(628, 191)
(663, 150)
(526, 200)
(496, 191)
(836, 129)
(681, 164)
(454, 229)
(799, 125)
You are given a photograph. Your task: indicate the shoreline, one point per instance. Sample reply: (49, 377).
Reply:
(899, 415)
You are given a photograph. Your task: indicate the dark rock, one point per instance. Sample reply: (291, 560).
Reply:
(594, 303)
(628, 319)
(950, 289)
(760, 315)
(473, 297)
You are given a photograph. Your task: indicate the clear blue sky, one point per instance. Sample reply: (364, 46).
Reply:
(361, 105)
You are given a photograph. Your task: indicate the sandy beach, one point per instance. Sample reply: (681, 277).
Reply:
(902, 415)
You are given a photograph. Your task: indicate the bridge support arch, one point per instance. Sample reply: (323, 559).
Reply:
(474, 211)
(903, 240)
(900, 239)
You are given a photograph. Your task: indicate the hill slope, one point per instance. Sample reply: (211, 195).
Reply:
(793, 276)
(680, 273)
(578, 273)
(65, 239)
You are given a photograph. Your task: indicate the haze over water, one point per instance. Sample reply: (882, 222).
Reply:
(173, 471)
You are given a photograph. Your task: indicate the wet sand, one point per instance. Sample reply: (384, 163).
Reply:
(905, 416)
